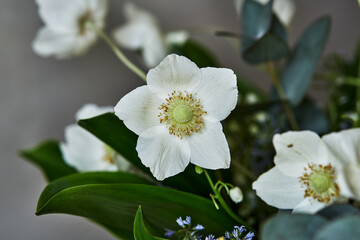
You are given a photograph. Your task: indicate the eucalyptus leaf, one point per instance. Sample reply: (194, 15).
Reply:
(346, 228)
(112, 131)
(115, 205)
(264, 36)
(338, 210)
(140, 231)
(47, 156)
(292, 226)
(300, 68)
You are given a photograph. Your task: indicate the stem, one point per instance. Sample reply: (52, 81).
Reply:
(224, 205)
(117, 51)
(280, 91)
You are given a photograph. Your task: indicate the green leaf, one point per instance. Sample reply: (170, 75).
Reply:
(112, 131)
(140, 231)
(47, 156)
(115, 205)
(292, 226)
(346, 228)
(338, 210)
(264, 36)
(311, 117)
(197, 53)
(301, 66)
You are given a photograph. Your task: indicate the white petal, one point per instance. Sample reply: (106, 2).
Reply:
(131, 35)
(279, 190)
(218, 92)
(62, 15)
(285, 10)
(139, 109)
(121, 163)
(166, 155)
(99, 10)
(154, 49)
(176, 37)
(349, 181)
(344, 145)
(209, 148)
(174, 73)
(50, 43)
(84, 151)
(309, 205)
(91, 110)
(294, 150)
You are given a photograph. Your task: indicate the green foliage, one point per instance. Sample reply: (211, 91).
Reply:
(115, 205)
(48, 158)
(264, 36)
(112, 131)
(346, 228)
(140, 231)
(300, 68)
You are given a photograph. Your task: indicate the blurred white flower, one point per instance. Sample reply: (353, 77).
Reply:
(84, 151)
(236, 195)
(284, 9)
(307, 175)
(177, 116)
(65, 33)
(142, 32)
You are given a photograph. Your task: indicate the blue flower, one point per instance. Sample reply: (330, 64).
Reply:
(210, 237)
(169, 233)
(249, 236)
(199, 227)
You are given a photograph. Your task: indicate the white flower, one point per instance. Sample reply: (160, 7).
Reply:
(65, 33)
(84, 151)
(142, 32)
(177, 116)
(236, 195)
(306, 176)
(284, 9)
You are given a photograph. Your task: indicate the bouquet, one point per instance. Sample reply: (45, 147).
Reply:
(198, 151)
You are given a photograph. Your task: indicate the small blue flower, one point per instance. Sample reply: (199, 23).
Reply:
(187, 221)
(180, 222)
(199, 227)
(241, 229)
(249, 236)
(169, 233)
(210, 237)
(227, 235)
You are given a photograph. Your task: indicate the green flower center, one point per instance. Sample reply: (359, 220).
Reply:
(320, 183)
(109, 155)
(182, 113)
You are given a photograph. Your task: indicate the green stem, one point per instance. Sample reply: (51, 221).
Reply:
(224, 205)
(117, 51)
(280, 91)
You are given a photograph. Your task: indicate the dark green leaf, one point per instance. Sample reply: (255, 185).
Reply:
(48, 158)
(196, 53)
(112, 131)
(346, 228)
(115, 205)
(338, 210)
(301, 66)
(292, 226)
(311, 117)
(140, 231)
(264, 36)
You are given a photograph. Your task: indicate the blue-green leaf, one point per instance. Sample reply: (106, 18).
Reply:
(346, 228)
(47, 156)
(302, 63)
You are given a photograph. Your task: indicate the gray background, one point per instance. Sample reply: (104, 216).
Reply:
(38, 96)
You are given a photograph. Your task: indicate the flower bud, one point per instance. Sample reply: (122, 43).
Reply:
(236, 195)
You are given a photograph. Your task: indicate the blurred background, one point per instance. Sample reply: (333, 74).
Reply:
(38, 96)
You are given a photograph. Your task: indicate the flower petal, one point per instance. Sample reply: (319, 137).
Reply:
(279, 190)
(84, 151)
(209, 148)
(99, 10)
(139, 109)
(62, 15)
(154, 49)
(285, 10)
(51, 43)
(91, 110)
(349, 180)
(218, 92)
(131, 35)
(174, 73)
(344, 145)
(294, 150)
(166, 155)
(309, 205)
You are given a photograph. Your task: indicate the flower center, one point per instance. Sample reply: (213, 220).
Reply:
(182, 114)
(320, 182)
(82, 21)
(109, 154)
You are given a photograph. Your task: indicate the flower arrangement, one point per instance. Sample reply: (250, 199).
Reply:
(199, 144)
